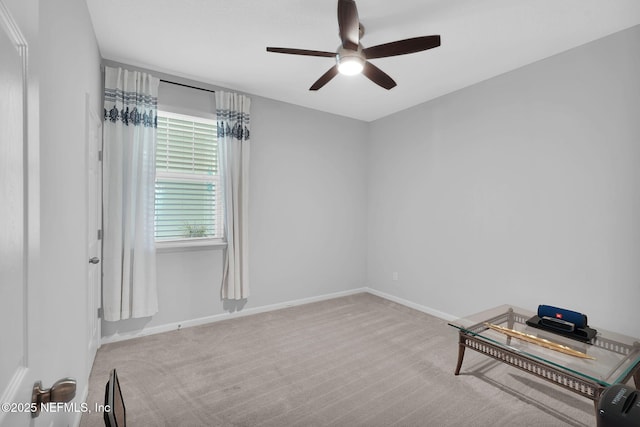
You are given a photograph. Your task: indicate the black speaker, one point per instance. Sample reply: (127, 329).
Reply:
(619, 406)
(562, 315)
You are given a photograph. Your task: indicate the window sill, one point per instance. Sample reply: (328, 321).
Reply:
(190, 245)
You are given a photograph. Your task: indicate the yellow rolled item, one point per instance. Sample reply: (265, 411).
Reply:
(539, 341)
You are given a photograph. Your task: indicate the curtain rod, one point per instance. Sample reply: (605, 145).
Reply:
(189, 86)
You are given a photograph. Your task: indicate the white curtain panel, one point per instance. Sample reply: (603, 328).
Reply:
(232, 111)
(129, 259)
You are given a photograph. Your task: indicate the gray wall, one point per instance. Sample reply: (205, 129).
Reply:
(522, 189)
(307, 220)
(68, 69)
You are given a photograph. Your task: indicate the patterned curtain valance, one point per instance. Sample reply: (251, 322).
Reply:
(130, 97)
(233, 123)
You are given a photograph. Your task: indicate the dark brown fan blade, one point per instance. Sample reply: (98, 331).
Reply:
(378, 76)
(301, 52)
(349, 24)
(402, 47)
(333, 71)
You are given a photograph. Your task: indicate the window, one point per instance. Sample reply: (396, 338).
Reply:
(188, 201)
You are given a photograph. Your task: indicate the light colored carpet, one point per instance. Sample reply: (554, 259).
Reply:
(354, 361)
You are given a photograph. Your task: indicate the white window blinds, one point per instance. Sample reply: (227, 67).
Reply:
(188, 204)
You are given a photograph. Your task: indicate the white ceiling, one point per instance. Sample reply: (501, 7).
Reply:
(222, 42)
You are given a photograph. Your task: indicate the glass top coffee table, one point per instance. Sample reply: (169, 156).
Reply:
(613, 358)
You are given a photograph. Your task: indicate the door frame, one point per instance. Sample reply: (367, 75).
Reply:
(94, 235)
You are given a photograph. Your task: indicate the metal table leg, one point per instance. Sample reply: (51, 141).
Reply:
(461, 348)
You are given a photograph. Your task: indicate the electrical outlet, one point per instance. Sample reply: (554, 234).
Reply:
(395, 276)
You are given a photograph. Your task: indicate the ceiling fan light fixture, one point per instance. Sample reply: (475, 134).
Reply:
(351, 66)
(350, 62)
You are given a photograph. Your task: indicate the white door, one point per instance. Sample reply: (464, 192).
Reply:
(14, 363)
(13, 277)
(22, 361)
(94, 225)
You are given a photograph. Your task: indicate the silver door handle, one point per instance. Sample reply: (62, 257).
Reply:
(94, 260)
(63, 390)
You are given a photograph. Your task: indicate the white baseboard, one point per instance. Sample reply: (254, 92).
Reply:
(225, 316)
(266, 308)
(445, 316)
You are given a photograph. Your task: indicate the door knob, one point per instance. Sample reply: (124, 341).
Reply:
(63, 390)
(94, 260)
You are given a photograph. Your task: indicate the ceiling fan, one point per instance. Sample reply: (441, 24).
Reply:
(352, 58)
